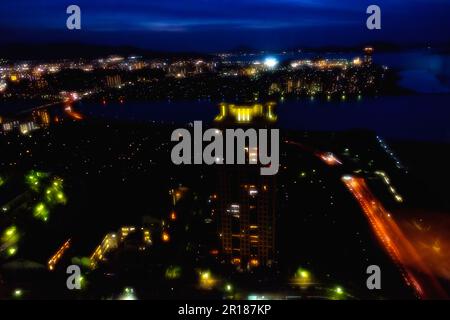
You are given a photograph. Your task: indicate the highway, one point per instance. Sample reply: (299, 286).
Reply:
(327, 157)
(413, 267)
(72, 114)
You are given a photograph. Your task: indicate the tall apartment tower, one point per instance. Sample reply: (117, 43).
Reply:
(368, 55)
(246, 199)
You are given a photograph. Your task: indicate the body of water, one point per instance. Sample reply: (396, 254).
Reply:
(423, 117)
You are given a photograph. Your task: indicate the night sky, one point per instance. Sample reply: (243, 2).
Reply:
(214, 25)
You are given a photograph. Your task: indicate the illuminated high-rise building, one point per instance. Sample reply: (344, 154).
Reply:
(289, 86)
(368, 52)
(247, 216)
(113, 81)
(246, 199)
(41, 118)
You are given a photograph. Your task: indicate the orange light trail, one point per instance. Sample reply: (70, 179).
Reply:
(414, 271)
(327, 157)
(73, 114)
(58, 255)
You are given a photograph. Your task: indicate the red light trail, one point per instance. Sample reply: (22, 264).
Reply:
(415, 271)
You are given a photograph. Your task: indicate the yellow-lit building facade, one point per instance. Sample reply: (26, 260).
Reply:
(246, 200)
(246, 114)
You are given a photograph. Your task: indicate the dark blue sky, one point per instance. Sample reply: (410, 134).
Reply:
(212, 25)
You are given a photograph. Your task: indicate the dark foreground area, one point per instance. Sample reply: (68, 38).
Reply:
(67, 191)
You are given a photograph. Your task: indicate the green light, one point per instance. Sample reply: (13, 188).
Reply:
(128, 294)
(10, 231)
(339, 290)
(41, 212)
(54, 193)
(302, 274)
(228, 288)
(12, 251)
(83, 282)
(2, 181)
(17, 293)
(61, 198)
(85, 261)
(10, 235)
(173, 272)
(33, 177)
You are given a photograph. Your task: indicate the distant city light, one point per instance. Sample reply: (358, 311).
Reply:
(270, 62)
(357, 61)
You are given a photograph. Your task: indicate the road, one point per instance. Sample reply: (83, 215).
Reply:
(413, 267)
(327, 157)
(44, 106)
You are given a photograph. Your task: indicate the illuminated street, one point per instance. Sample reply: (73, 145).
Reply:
(415, 271)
